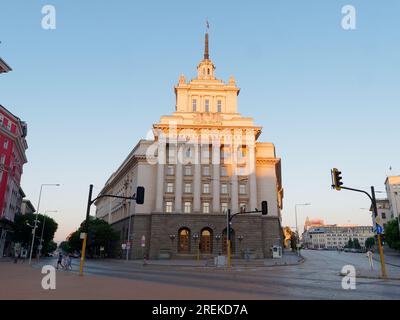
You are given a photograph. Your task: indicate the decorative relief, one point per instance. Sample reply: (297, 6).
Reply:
(207, 118)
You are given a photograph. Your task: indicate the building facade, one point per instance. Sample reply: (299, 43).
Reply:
(333, 237)
(392, 185)
(384, 213)
(204, 159)
(27, 207)
(13, 146)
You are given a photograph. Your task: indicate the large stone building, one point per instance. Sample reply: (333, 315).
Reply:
(335, 236)
(392, 184)
(204, 159)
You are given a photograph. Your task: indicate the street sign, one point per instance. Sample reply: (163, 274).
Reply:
(379, 229)
(82, 235)
(143, 241)
(123, 246)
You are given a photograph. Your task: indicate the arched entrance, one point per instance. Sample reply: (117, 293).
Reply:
(184, 240)
(206, 241)
(224, 244)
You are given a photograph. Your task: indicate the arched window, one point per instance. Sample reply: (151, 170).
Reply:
(206, 241)
(184, 240)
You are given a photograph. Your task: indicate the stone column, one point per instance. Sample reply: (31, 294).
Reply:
(251, 166)
(178, 180)
(197, 178)
(216, 157)
(234, 178)
(160, 172)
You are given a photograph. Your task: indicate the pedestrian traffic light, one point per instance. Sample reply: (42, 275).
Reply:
(264, 207)
(336, 179)
(140, 195)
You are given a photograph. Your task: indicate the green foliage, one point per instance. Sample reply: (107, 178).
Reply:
(392, 236)
(370, 242)
(356, 244)
(23, 232)
(100, 235)
(64, 246)
(350, 244)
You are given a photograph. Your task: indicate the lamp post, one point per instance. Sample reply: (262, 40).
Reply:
(297, 228)
(37, 214)
(41, 236)
(196, 237)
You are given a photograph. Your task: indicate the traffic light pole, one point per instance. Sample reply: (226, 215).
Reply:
(375, 209)
(229, 218)
(138, 196)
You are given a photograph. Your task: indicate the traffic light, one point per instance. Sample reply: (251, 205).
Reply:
(140, 195)
(336, 179)
(264, 207)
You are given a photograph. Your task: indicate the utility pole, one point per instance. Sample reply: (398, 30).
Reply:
(382, 258)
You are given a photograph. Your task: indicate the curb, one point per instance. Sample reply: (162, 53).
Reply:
(371, 277)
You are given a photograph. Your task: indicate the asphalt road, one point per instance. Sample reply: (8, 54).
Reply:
(316, 278)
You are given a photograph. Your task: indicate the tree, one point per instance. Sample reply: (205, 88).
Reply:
(23, 231)
(350, 244)
(64, 246)
(100, 234)
(392, 236)
(356, 244)
(370, 242)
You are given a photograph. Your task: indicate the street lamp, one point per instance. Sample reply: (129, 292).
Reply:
(37, 214)
(41, 236)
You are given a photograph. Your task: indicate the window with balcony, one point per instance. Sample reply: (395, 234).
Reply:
(206, 207)
(206, 171)
(224, 188)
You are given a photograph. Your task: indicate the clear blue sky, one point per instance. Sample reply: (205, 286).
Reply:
(94, 86)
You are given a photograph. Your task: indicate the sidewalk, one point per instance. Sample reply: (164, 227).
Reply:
(23, 282)
(289, 258)
(392, 257)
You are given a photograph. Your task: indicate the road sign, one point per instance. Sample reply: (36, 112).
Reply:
(143, 241)
(82, 235)
(379, 229)
(123, 246)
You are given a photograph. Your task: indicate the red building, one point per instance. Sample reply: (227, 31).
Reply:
(12, 158)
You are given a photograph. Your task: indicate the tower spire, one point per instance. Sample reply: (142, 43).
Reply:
(206, 55)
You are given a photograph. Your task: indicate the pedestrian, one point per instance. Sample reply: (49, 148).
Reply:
(60, 259)
(370, 256)
(16, 255)
(68, 263)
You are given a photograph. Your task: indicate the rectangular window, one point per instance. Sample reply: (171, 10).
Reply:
(170, 170)
(242, 189)
(9, 125)
(224, 171)
(194, 105)
(206, 207)
(170, 187)
(188, 207)
(1, 119)
(207, 105)
(206, 171)
(188, 187)
(168, 206)
(6, 144)
(242, 207)
(219, 106)
(206, 188)
(224, 207)
(3, 159)
(224, 188)
(188, 170)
